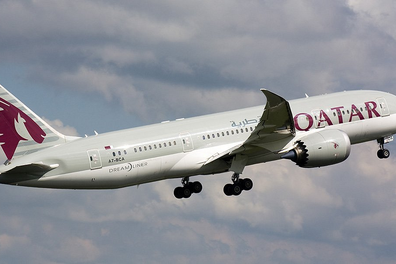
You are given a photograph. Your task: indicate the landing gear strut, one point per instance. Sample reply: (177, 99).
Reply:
(237, 186)
(382, 153)
(187, 189)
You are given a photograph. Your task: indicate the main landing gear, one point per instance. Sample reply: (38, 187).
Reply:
(187, 189)
(238, 185)
(383, 153)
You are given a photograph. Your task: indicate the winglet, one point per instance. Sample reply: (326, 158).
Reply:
(277, 112)
(276, 124)
(272, 98)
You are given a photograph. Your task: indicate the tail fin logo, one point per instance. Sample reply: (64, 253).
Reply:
(16, 126)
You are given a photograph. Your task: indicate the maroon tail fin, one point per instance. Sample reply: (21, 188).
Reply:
(22, 131)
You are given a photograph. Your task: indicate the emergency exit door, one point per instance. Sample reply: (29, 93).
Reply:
(383, 106)
(95, 161)
(187, 142)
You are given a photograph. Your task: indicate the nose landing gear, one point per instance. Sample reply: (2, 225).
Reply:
(383, 153)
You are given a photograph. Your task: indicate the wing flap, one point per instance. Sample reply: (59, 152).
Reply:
(222, 153)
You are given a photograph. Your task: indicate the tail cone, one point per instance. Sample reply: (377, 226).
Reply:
(291, 155)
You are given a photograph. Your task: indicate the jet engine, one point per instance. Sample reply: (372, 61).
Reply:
(323, 148)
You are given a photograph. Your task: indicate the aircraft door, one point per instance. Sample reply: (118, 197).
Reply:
(383, 106)
(187, 142)
(95, 162)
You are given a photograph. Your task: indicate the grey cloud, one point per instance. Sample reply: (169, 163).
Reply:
(320, 47)
(299, 217)
(205, 57)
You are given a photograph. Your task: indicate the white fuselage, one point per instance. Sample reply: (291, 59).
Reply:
(181, 148)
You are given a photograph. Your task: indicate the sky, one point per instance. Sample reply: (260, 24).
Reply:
(105, 65)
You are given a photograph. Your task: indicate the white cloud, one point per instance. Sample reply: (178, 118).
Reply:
(60, 127)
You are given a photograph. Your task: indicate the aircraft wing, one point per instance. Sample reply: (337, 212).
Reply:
(276, 124)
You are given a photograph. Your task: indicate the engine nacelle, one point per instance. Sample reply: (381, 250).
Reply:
(323, 148)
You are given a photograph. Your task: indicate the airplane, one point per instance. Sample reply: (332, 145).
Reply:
(313, 132)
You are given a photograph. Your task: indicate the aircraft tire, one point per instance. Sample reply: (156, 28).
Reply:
(383, 153)
(236, 189)
(186, 192)
(228, 189)
(196, 187)
(246, 184)
(386, 153)
(178, 192)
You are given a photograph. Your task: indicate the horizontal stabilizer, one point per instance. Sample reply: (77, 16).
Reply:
(32, 168)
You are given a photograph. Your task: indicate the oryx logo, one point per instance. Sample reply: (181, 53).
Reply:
(16, 126)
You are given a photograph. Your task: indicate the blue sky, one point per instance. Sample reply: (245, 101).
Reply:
(108, 65)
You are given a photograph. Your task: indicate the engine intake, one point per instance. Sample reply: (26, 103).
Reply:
(323, 148)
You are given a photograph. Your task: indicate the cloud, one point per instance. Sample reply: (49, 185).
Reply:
(171, 59)
(8, 242)
(78, 250)
(60, 127)
(121, 49)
